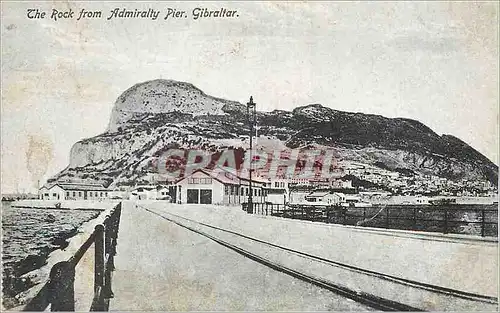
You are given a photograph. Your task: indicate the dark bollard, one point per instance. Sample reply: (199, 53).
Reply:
(108, 235)
(62, 287)
(99, 258)
(107, 292)
(99, 269)
(109, 253)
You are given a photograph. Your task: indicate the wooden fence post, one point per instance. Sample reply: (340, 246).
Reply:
(414, 226)
(387, 217)
(109, 254)
(99, 258)
(445, 230)
(62, 287)
(483, 223)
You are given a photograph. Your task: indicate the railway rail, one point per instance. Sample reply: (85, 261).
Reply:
(378, 302)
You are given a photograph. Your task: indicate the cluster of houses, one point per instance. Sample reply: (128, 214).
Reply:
(203, 186)
(225, 187)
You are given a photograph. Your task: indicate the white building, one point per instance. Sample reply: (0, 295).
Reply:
(325, 197)
(335, 198)
(217, 187)
(73, 191)
(150, 192)
(118, 194)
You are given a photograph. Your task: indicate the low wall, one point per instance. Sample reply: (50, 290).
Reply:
(66, 204)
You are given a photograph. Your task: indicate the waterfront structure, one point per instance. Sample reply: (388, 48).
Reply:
(150, 192)
(218, 187)
(73, 191)
(118, 193)
(143, 193)
(325, 197)
(335, 198)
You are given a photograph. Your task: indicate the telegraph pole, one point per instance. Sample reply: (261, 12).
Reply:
(251, 121)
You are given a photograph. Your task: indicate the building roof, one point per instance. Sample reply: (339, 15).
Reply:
(351, 197)
(77, 186)
(223, 176)
(141, 188)
(318, 194)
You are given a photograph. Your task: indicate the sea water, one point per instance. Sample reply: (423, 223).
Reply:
(29, 236)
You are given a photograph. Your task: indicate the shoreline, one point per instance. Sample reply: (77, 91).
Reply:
(20, 276)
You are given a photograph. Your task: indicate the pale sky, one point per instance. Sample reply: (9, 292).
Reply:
(436, 62)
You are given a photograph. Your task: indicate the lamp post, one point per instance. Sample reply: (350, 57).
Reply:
(251, 121)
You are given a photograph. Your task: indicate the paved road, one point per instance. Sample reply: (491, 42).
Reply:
(161, 266)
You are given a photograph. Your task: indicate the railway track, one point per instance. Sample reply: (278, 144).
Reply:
(371, 300)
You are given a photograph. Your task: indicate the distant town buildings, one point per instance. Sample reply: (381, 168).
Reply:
(360, 183)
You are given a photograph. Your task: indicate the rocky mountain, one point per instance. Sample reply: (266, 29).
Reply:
(152, 116)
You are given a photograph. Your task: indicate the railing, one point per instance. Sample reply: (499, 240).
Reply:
(59, 291)
(458, 219)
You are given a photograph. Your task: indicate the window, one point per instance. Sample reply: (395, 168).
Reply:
(74, 194)
(54, 195)
(226, 190)
(79, 194)
(102, 194)
(47, 195)
(67, 193)
(205, 181)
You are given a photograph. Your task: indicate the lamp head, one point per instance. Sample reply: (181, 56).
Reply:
(251, 104)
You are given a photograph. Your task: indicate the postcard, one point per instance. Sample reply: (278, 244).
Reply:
(249, 156)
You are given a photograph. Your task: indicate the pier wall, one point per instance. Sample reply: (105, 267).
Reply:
(66, 204)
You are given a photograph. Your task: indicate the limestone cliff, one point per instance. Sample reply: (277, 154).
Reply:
(154, 115)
